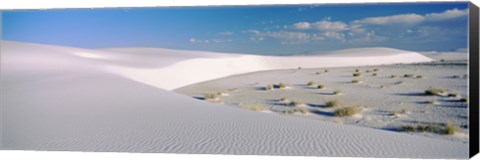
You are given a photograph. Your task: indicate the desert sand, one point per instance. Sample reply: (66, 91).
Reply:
(113, 100)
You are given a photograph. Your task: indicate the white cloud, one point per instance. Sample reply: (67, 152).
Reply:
(448, 14)
(302, 25)
(367, 37)
(196, 41)
(285, 37)
(389, 20)
(226, 33)
(410, 19)
(256, 32)
(327, 25)
(365, 30)
(324, 25)
(335, 35)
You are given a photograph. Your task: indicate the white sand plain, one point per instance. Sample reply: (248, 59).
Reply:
(62, 98)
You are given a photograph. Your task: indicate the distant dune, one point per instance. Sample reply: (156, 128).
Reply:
(188, 67)
(62, 98)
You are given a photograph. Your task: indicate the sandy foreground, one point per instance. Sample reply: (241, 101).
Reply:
(61, 98)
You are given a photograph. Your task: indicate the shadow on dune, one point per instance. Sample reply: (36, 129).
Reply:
(327, 93)
(277, 102)
(323, 113)
(199, 98)
(392, 129)
(316, 105)
(411, 94)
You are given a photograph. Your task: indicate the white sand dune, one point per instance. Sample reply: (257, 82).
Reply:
(190, 68)
(60, 98)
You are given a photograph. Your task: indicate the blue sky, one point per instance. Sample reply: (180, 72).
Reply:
(248, 29)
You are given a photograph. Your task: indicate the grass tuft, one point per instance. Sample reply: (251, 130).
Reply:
(432, 101)
(211, 96)
(451, 129)
(282, 85)
(320, 86)
(455, 76)
(255, 107)
(347, 111)
(332, 103)
(408, 75)
(434, 91)
(453, 95)
(311, 83)
(284, 99)
(269, 87)
(356, 81)
(296, 110)
(464, 99)
(295, 103)
(337, 92)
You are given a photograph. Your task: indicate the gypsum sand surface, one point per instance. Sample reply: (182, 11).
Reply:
(66, 99)
(383, 102)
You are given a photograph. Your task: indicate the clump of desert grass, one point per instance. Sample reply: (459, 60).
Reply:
(320, 86)
(356, 81)
(419, 77)
(222, 93)
(346, 111)
(211, 96)
(276, 86)
(374, 74)
(408, 75)
(269, 87)
(337, 92)
(301, 110)
(465, 76)
(317, 73)
(358, 70)
(255, 107)
(453, 94)
(464, 99)
(326, 70)
(280, 86)
(357, 74)
(376, 69)
(422, 128)
(455, 76)
(332, 103)
(285, 100)
(403, 111)
(296, 103)
(449, 128)
(393, 76)
(299, 68)
(311, 83)
(435, 91)
(431, 101)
